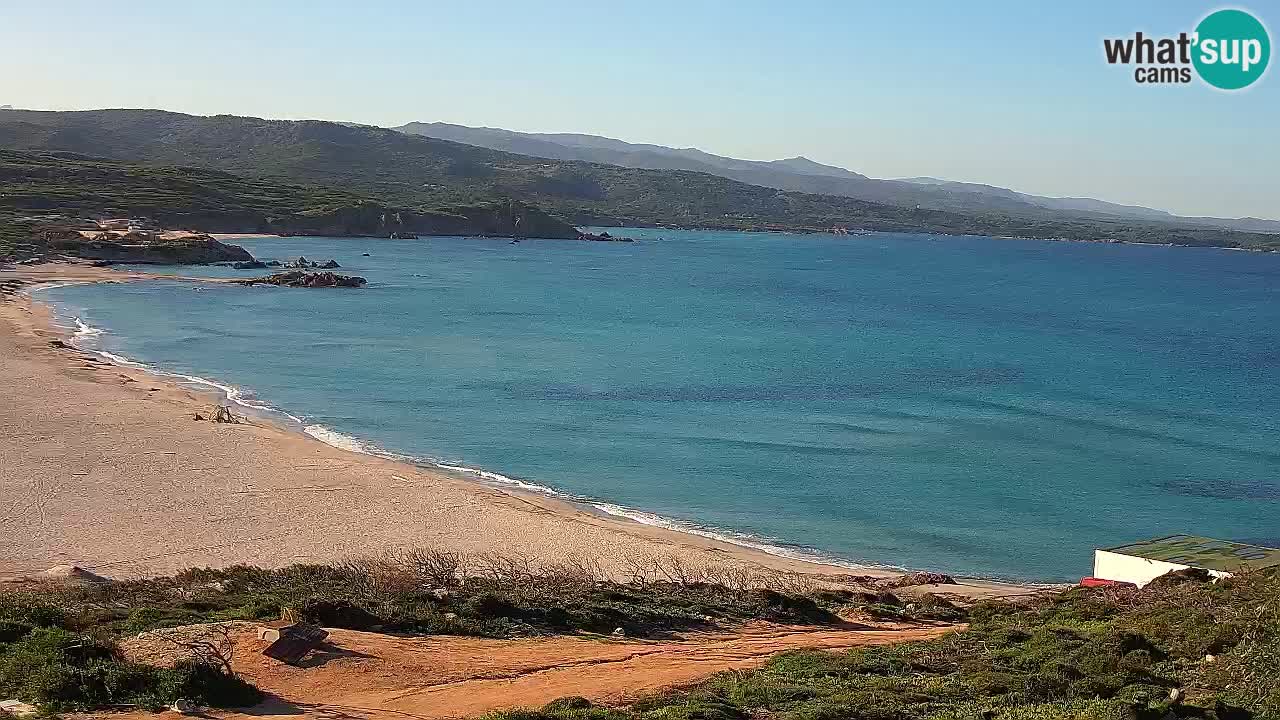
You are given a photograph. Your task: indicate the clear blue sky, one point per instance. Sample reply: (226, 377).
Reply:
(1012, 94)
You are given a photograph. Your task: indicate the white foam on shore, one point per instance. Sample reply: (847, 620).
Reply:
(506, 481)
(746, 540)
(343, 441)
(740, 539)
(85, 333)
(51, 286)
(85, 337)
(338, 440)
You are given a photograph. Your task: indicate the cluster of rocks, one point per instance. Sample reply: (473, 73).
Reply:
(298, 278)
(302, 264)
(603, 237)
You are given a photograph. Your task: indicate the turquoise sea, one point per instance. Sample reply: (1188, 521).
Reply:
(974, 405)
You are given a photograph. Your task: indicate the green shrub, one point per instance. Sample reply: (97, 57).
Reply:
(20, 613)
(59, 670)
(1105, 653)
(572, 702)
(1084, 654)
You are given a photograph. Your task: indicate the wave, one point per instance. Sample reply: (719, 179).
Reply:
(52, 286)
(339, 440)
(350, 443)
(85, 337)
(747, 540)
(84, 331)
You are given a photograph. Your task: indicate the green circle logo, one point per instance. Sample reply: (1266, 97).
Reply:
(1231, 49)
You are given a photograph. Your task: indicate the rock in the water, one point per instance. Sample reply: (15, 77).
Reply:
(329, 265)
(250, 265)
(298, 278)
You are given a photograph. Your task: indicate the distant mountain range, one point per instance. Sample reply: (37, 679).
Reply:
(801, 174)
(358, 176)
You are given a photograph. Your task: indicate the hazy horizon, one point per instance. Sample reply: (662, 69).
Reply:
(1002, 94)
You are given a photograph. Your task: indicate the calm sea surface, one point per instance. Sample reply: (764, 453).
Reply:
(980, 406)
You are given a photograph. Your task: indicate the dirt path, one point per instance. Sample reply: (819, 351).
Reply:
(367, 675)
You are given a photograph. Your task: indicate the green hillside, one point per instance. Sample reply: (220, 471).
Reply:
(39, 187)
(419, 172)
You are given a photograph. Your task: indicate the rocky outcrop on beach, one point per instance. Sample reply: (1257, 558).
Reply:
(298, 278)
(144, 248)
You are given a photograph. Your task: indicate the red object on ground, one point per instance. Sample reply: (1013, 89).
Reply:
(1099, 582)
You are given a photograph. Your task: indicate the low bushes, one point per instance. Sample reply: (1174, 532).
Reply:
(434, 593)
(1177, 649)
(57, 643)
(44, 659)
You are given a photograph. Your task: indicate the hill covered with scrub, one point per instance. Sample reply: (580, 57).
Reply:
(1180, 648)
(50, 187)
(420, 173)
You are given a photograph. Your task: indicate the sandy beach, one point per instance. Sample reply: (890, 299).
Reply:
(105, 467)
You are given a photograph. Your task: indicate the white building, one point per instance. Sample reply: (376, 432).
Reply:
(1141, 562)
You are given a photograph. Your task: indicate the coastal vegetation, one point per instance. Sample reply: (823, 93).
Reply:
(42, 190)
(453, 187)
(60, 643)
(1180, 648)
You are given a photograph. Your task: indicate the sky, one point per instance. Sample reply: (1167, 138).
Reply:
(1011, 94)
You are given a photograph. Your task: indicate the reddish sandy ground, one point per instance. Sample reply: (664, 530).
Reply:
(367, 675)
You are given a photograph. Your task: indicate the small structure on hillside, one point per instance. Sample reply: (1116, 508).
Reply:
(127, 224)
(1141, 562)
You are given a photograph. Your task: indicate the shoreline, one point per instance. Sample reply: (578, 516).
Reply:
(863, 231)
(581, 525)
